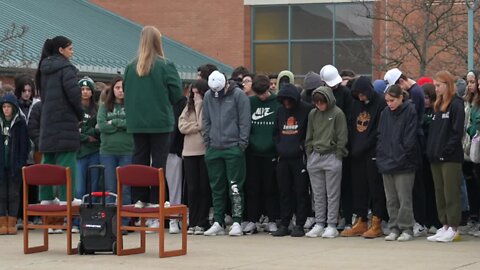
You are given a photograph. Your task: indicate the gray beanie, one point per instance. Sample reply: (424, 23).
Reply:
(312, 81)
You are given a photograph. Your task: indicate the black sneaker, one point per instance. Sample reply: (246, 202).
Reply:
(282, 231)
(297, 231)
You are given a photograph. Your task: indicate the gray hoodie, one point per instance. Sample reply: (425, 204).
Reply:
(226, 119)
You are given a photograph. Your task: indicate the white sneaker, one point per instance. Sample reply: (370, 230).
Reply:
(418, 230)
(55, 231)
(235, 230)
(330, 232)
(316, 231)
(463, 230)
(216, 229)
(76, 202)
(476, 234)
(309, 223)
(75, 229)
(437, 235)
(272, 227)
(154, 224)
(391, 237)
(174, 229)
(191, 230)
(199, 230)
(250, 228)
(449, 236)
(151, 205)
(474, 229)
(244, 224)
(432, 230)
(405, 237)
(50, 202)
(385, 229)
(139, 204)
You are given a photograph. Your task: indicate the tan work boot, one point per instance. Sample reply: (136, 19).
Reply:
(12, 225)
(375, 229)
(358, 228)
(3, 225)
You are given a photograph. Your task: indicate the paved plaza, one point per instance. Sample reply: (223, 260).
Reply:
(260, 251)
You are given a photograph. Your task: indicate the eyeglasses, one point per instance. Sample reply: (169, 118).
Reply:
(246, 81)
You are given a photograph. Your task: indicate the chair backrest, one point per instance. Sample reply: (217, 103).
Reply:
(139, 175)
(46, 174)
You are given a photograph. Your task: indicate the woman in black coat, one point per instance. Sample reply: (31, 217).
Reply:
(61, 109)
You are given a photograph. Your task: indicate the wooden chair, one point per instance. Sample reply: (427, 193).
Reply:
(144, 176)
(47, 175)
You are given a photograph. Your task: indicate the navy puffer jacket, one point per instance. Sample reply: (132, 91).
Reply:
(61, 106)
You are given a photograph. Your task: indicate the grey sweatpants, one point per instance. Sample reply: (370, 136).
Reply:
(325, 173)
(398, 191)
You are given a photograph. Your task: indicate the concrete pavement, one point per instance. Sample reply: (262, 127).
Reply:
(260, 251)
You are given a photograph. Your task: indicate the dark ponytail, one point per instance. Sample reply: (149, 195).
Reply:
(50, 47)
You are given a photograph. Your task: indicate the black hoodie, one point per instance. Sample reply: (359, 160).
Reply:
(446, 131)
(397, 148)
(15, 141)
(291, 125)
(61, 106)
(363, 124)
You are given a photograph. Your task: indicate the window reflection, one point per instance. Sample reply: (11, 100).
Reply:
(271, 23)
(310, 56)
(312, 21)
(271, 58)
(355, 55)
(351, 21)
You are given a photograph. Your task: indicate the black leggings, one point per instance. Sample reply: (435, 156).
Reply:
(9, 197)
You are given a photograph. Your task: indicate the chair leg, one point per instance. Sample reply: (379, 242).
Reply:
(70, 250)
(130, 251)
(29, 250)
(175, 252)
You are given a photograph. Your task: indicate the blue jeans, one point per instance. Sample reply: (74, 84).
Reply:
(111, 162)
(81, 175)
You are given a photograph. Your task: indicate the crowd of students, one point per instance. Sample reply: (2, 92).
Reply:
(338, 153)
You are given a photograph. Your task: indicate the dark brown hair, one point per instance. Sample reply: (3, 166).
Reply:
(110, 96)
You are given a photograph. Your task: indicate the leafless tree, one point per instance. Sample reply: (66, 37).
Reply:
(430, 34)
(11, 45)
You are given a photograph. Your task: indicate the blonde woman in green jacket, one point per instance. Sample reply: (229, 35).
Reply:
(151, 86)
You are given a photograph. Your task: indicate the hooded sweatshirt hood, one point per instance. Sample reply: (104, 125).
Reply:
(289, 91)
(364, 86)
(327, 92)
(11, 99)
(285, 73)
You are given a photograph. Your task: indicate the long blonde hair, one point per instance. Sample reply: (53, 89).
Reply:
(150, 47)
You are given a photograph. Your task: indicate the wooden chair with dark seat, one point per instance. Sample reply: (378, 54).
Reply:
(144, 176)
(47, 175)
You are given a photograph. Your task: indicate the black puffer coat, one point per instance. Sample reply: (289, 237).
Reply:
(61, 106)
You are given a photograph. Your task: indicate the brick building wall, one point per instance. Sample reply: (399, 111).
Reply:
(215, 28)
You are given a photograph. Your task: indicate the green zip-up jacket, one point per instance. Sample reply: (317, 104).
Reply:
(263, 115)
(87, 129)
(474, 123)
(327, 131)
(149, 99)
(113, 131)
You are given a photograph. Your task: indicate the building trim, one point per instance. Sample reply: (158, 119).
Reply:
(292, 2)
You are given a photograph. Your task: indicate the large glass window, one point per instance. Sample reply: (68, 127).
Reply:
(306, 37)
(312, 21)
(310, 56)
(271, 23)
(271, 58)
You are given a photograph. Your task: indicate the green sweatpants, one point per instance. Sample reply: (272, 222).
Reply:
(226, 171)
(447, 178)
(65, 159)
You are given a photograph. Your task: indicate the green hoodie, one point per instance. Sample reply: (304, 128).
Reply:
(327, 131)
(114, 137)
(263, 121)
(88, 129)
(149, 99)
